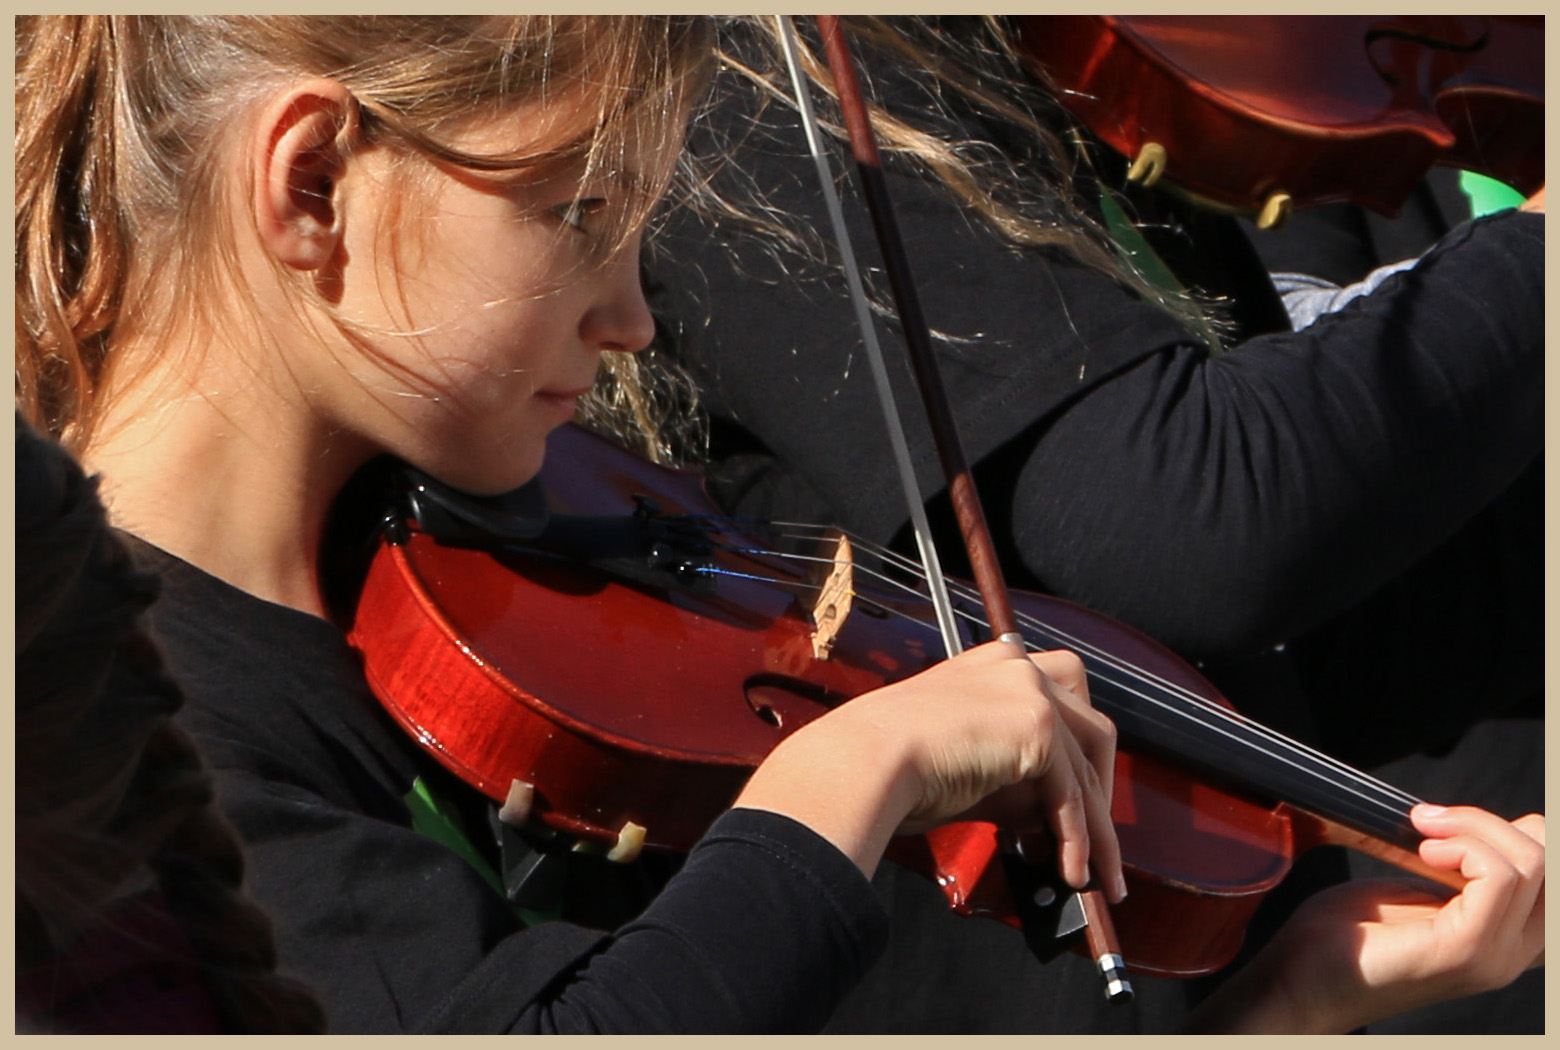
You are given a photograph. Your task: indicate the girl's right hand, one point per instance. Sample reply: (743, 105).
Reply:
(991, 734)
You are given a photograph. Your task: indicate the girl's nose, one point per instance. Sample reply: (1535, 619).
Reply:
(621, 319)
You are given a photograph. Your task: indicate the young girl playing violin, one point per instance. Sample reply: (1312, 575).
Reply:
(254, 254)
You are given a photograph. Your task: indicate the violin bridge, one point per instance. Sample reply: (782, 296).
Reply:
(834, 577)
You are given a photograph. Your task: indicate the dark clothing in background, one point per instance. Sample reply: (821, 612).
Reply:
(1341, 243)
(1223, 504)
(98, 950)
(1343, 526)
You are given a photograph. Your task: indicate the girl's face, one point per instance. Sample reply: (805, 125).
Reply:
(484, 306)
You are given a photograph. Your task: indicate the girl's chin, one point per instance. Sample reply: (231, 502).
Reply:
(521, 464)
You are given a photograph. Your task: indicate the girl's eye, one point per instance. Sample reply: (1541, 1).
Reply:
(575, 213)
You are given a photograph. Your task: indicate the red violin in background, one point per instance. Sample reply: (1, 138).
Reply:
(629, 655)
(1264, 113)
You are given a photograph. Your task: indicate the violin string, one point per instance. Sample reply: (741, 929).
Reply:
(1063, 637)
(1346, 774)
(1209, 717)
(1203, 712)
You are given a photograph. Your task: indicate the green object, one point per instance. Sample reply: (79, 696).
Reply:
(1137, 249)
(1486, 195)
(440, 821)
(1131, 243)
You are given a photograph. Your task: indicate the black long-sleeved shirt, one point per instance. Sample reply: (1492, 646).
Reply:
(763, 929)
(1314, 489)
(1220, 503)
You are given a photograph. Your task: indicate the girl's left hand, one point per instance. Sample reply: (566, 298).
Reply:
(1364, 951)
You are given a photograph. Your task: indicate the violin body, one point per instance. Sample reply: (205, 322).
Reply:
(1303, 109)
(622, 702)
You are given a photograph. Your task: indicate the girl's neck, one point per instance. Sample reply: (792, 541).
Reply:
(240, 488)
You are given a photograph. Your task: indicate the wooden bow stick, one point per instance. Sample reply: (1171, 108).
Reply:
(961, 486)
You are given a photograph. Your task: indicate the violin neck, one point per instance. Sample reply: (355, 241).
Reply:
(1155, 715)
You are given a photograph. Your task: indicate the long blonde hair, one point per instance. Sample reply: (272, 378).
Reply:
(122, 122)
(1021, 185)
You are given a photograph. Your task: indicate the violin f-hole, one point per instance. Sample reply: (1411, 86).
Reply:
(787, 703)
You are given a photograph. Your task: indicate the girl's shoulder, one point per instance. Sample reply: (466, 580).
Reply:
(274, 695)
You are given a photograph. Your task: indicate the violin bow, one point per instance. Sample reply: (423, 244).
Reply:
(937, 587)
(1098, 928)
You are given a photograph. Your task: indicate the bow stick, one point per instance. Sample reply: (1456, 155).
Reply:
(961, 486)
(937, 587)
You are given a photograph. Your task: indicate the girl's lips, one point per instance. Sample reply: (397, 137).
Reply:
(565, 401)
(565, 395)
(569, 392)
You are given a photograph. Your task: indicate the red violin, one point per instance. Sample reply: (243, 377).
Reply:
(632, 655)
(1262, 113)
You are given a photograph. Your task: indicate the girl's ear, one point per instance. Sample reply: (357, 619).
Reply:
(299, 161)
